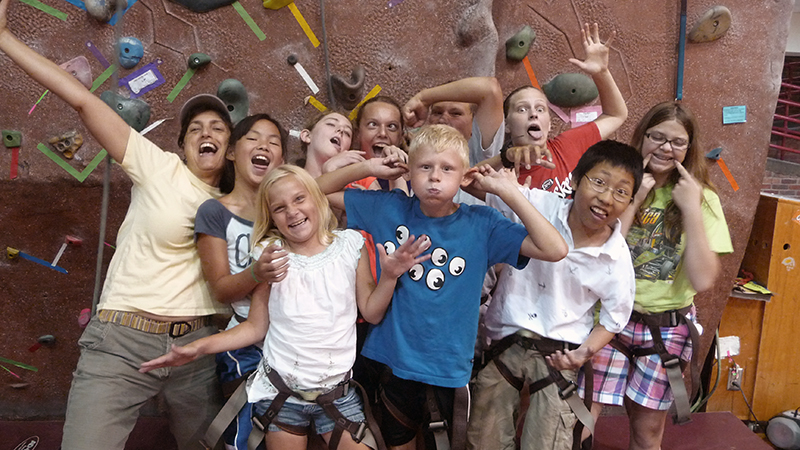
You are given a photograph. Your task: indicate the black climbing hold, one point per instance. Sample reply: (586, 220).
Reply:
(568, 90)
(292, 59)
(517, 46)
(233, 93)
(349, 92)
(198, 60)
(135, 112)
(203, 5)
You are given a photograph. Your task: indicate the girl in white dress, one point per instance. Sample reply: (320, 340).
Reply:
(307, 320)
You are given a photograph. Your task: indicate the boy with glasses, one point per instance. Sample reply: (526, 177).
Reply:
(541, 319)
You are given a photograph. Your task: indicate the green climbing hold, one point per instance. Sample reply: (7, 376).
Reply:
(12, 138)
(234, 95)
(712, 25)
(198, 60)
(568, 90)
(517, 46)
(135, 112)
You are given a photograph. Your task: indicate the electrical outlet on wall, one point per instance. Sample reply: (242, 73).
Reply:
(735, 377)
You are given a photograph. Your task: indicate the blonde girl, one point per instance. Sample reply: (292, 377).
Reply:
(307, 320)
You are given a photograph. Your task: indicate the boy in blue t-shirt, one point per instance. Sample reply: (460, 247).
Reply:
(426, 339)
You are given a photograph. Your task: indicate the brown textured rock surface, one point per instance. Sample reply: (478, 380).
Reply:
(412, 45)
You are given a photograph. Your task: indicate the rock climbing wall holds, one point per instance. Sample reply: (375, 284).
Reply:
(234, 95)
(79, 68)
(712, 25)
(517, 46)
(103, 10)
(568, 90)
(12, 138)
(68, 143)
(198, 60)
(203, 5)
(130, 51)
(349, 92)
(135, 112)
(276, 4)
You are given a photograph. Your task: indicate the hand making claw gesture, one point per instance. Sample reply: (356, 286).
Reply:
(596, 52)
(527, 155)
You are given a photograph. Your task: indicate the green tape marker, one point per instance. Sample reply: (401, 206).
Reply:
(47, 9)
(249, 21)
(19, 364)
(181, 84)
(103, 77)
(80, 176)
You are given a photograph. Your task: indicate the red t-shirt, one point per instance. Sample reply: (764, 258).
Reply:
(566, 148)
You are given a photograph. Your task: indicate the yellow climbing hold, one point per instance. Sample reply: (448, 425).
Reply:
(276, 4)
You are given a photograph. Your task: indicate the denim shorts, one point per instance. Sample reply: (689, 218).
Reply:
(300, 414)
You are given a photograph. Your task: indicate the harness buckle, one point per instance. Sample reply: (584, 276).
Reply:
(437, 426)
(567, 391)
(360, 433)
(183, 327)
(670, 362)
(257, 422)
(673, 319)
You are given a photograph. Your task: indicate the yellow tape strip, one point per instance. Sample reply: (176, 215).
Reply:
(317, 104)
(303, 24)
(371, 94)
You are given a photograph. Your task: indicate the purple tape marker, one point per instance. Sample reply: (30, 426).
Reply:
(143, 80)
(102, 59)
(393, 3)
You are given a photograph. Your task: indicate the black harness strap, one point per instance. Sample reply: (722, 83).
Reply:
(566, 388)
(670, 362)
(456, 440)
(358, 430)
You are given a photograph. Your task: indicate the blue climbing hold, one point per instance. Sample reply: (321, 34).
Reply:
(131, 52)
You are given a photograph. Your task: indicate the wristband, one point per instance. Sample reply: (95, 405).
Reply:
(253, 273)
(507, 163)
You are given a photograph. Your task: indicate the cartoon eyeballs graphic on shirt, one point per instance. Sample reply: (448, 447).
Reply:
(402, 234)
(416, 271)
(435, 277)
(439, 256)
(457, 266)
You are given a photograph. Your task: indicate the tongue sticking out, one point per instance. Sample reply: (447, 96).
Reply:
(535, 132)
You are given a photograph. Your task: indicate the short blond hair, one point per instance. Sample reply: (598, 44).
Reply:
(439, 138)
(264, 227)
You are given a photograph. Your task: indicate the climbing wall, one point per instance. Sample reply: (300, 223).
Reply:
(402, 45)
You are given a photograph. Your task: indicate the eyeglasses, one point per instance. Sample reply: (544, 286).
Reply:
(659, 139)
(600, 186)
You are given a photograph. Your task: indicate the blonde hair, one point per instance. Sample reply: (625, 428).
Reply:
(264, 227)
(439, 138)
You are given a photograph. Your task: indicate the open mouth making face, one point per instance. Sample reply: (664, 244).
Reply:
(260, 161)
(208, 148)
(336, 141)
(535, 132)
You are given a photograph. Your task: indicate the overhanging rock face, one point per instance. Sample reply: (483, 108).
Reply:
(403, 46)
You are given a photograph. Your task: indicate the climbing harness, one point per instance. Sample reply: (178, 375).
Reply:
(566, 389)
(366, 432)
(436, 423)
(670, 362)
